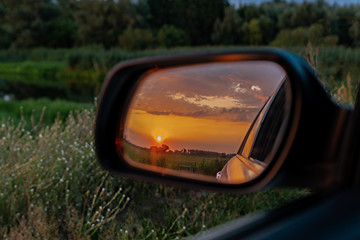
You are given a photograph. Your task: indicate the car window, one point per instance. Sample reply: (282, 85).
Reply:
(273, 123)
(268, 125)
(252, 133)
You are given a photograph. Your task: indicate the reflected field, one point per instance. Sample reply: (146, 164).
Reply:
(192, 161)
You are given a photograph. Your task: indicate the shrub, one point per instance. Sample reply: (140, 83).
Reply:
(227, 31)
(170, 36)
(136, 39)
(300, 36)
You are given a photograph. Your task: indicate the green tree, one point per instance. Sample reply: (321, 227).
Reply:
(315, 33)
(28, 24)
(249, 12)
(170, 36)
(283, 21)
(200, 18)
(61, 31)
(21, 23)
(5, 40)
(289, 38)
(301, 36)
(268, 29)
(354, 32)
(307, 14)
(228, 31)
(136, 39)
(195, 17)
(101, 22)
(252, 32)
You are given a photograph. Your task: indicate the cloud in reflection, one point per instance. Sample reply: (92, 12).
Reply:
(204, 106)
(216, 90)
(209, 101)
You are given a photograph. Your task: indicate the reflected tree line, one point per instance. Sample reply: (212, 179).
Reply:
(143, 24)
(196, 152)
(186, 160)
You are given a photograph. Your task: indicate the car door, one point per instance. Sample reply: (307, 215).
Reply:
(262, 137)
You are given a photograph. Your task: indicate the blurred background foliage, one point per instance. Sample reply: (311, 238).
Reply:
(28, 24)
(65, 47)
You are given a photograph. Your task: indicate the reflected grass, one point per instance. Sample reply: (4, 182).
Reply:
(176, 161)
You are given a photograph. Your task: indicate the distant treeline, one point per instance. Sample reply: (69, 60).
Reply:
(165, 149)
(143, 24)
(204, 153)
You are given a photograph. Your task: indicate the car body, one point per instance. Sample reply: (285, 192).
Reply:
(254, 152)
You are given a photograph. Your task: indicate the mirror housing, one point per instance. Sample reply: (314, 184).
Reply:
(308, 153)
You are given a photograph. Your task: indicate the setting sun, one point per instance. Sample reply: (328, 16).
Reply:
(180, 132)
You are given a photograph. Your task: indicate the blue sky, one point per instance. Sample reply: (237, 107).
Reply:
(339, 2)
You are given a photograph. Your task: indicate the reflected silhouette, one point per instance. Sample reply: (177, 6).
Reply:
(185, 160)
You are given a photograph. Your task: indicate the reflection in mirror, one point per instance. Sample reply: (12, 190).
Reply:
(218, 122)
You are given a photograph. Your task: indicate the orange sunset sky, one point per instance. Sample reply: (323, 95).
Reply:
(207, 106)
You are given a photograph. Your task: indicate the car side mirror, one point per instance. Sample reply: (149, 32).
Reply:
(236, 120)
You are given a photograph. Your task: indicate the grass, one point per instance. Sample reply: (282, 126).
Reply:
(52, 187)
(38, 111)
(31, 79)
(32, 70)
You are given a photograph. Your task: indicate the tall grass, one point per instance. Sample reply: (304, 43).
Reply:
(51, 183)
(39, 111)
(52, 187)
(338, 69)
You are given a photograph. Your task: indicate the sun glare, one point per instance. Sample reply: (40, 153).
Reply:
(159, 139)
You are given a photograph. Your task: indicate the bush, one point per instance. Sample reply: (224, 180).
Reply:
(227, 31)
(288, 38)
(302, 35)
(170, 36)
(136, 39)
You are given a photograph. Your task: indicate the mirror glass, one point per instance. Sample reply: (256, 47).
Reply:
(216, 122)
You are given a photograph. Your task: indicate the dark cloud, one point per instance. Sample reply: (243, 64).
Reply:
(159, 113)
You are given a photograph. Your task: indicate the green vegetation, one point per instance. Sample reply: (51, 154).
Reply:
(147, 24)
(52, 187)
(30, 79)
(78, 77)
(39, 111)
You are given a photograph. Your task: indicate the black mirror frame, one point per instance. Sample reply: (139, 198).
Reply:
(308, 98)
